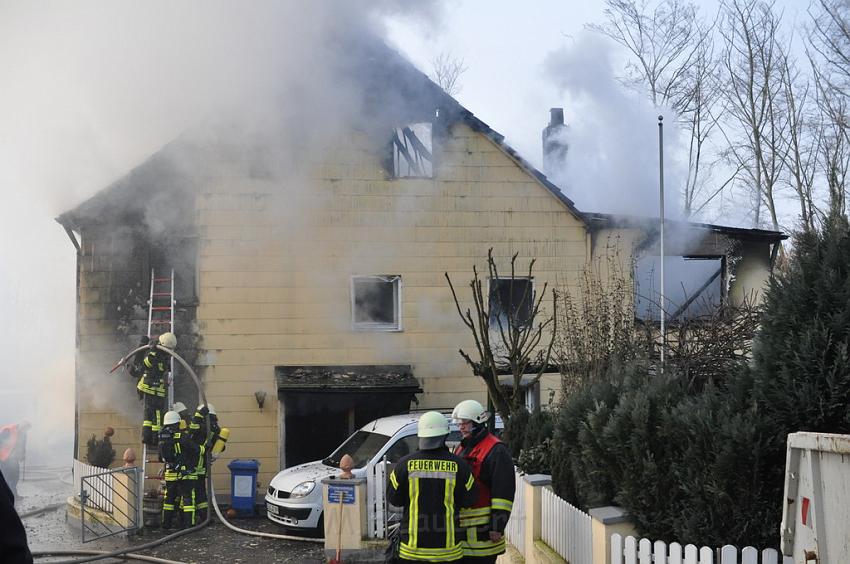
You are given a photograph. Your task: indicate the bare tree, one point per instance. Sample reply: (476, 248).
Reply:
(752, 63)
(673, 63)
(447, 71)
(513, 339)
(829, 41)
(804, 138)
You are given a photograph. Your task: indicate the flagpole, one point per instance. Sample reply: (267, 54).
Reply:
(661, 206)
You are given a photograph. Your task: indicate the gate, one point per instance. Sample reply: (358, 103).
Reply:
(110, 501)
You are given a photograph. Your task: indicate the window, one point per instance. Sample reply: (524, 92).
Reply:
(511, 297)
(411, 151)
(693, 287)
(402, 447)
(376, 303)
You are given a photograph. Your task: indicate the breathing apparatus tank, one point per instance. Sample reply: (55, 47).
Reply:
(221, 441)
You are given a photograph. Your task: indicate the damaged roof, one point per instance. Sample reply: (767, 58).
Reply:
(604, 220)
(377, 378)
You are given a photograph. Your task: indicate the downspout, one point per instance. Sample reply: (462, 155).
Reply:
(773, 253)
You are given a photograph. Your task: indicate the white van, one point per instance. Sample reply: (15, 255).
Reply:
(294, 497)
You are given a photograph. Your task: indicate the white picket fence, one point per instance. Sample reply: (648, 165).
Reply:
(644, 551)
(566, 529)
(515, 530)
(376, 503)
(99, 489)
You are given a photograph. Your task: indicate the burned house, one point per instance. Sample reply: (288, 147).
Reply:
(312, 273)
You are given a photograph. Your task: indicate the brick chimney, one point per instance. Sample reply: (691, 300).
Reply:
(555, 144)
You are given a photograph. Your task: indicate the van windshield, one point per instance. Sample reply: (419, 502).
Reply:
(362, 446)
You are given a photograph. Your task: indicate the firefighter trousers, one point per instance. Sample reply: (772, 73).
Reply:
(178, 500)
(199, 497)
(152, 423)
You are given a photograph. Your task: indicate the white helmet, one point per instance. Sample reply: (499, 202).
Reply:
(171, 418)
(470, 410)
(432, 430)
(179, 407)
(168, 340)
(210, 408)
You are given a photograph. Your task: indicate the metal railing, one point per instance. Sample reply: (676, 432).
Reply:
(110, 500)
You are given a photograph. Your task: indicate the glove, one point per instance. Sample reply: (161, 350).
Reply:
(204, 410)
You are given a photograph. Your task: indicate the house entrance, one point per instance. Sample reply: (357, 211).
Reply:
(323, 405)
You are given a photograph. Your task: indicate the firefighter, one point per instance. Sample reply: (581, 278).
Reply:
(431, 485)
(205, 440)
(176, 451)
(493, 469)
(152, 386)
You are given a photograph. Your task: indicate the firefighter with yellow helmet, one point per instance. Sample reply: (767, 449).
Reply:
(493, 468)
(152, 386)
(431, 485)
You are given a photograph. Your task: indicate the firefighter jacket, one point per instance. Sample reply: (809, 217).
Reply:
(155, 367)
(431, 485)
(493, 469)
(178, 452)
(198, 428)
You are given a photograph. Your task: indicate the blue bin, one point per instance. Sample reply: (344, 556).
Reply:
(243, 484)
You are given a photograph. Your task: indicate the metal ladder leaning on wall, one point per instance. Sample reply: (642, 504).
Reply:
(160, 320)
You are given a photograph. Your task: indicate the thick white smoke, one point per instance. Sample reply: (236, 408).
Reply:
(612, 162)
(90, 89)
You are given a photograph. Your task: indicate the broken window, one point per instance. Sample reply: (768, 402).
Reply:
(512, 297)
(693, 287)
(411, 151)
(376, 302)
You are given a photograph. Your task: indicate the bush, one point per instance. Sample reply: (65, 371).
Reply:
(100, 452)
(698, 455)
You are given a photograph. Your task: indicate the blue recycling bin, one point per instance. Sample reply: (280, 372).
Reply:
(243, 484)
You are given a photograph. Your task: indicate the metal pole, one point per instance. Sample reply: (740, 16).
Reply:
(661, 204)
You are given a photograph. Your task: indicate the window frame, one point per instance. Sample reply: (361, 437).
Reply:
(393, 163)
(681, 318)
(492, 323)
(397, 293)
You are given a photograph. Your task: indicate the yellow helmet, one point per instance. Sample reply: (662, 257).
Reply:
(168, 340)
(432, 430)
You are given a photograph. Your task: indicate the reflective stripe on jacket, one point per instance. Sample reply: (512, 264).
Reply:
(430, 485)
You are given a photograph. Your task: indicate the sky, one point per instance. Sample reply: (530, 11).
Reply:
(91, 88)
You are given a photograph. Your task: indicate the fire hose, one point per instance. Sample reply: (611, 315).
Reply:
(172, 536)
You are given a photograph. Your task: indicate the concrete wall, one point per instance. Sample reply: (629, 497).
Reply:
(277, 255)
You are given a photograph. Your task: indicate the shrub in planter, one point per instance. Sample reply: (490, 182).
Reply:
(100, 452)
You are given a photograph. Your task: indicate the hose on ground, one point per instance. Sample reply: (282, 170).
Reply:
(130, 556)
(255, 533)
(40, 510)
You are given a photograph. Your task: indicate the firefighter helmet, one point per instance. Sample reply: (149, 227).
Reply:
(171, 418)
(210, 408)
(168, 340)
(179, 407)
(470, 410)
(432, 430)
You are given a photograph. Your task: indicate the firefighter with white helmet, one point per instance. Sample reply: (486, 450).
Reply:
(179, 454)
(431, 484)
(493, 469)
(152, 386)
